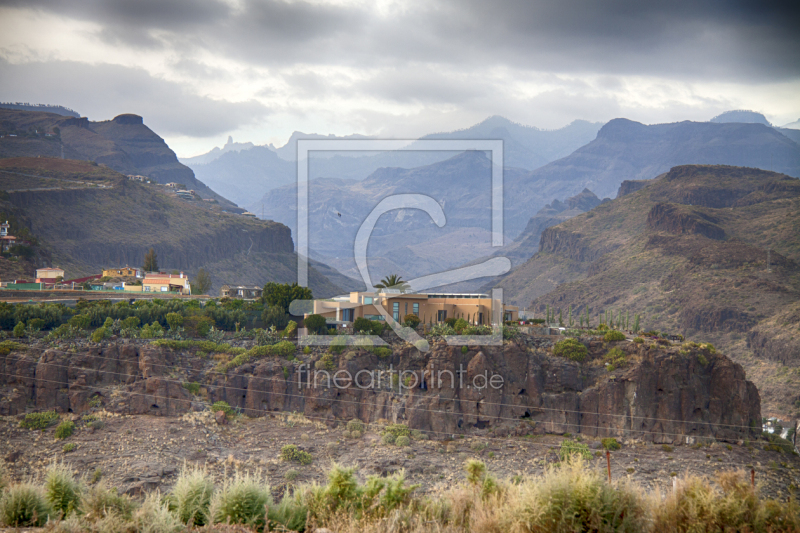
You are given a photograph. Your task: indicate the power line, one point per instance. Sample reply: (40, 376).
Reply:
(501, 404)
(410, 408)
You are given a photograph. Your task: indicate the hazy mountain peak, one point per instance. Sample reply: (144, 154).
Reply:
(216, 152)
(741, 115)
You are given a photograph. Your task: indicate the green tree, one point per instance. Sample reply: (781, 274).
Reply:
(587, 316)
(560, 318)
(392, 281)
(202, 282)
(569, 315)
(636, 324)
(283, 294)
(548, 314)
(274, 315)
(315, 323)
(175, 320)
(150, 261)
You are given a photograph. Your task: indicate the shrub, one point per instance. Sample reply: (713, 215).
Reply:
(510, 333)
(638, 340)
(99, 334)
(61, 489)
(576, 498)
(19, 330)
(611, 444)
(382, 351)
(224, 407)
(614, 336)
(191, 496)
(397, 430)
(154, 516)
(388, 438)
(402, 440)
(338, 345)
(276, 316)
(476, 470)
(697, 505)
(362, 325)
(65, 429)
(37, 324)
(442, 330)
(193, 387)
(290, 452)
(615, 358)
(24, 505)
(450, 322)
(69, 447)
(130, 323)
(290, 331)
(99, 501)
(355, 425)
(152, 331)
(411, 321)
(570, 448)
(464, 349)
(315, 324)
(326, 362)
(702, 359)
(460, 325)
(215, 335)
(81, 321)
(39, 420)
(571, 349)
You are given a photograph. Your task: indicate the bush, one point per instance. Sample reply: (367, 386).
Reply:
(65, 429)
(460, 325)
(315, 324)
(19, 330)
(576, 498)
(39, 420)
(69, 447)
(362, 325)
(411, 321)
(638, 340)
(290, 331)
(24, 505)
(614, 336)
(131, 322)
(290, 452)
(154, 516)
(402, 440)
(61, 489)
(397, 430)
(193, 387)
(697, 505)
(615, 358)
(191, 496)
(99, 501)
(570, 448)
(382, 352)
(611, 444)
(326, 362)
(355, 425)
(571, 349)
(224, 407)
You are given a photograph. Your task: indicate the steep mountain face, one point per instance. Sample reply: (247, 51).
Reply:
(627, 150)
(124, 144)
(91, 217)
(707, 251)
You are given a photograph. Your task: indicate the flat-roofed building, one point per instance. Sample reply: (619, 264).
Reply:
(162, 282)
(431, 308)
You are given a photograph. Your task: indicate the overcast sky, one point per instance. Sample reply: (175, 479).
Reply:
(200, 70)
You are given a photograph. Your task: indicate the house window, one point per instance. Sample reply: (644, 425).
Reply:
(164, 289)
(347, 315)
(480, 318)
(441, 315)
(367, 300)
(415, 308)
(396, 311)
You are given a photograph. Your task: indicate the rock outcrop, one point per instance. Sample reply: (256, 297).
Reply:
(518, 388)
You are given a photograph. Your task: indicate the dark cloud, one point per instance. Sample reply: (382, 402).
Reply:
(104, 91)
(741, 41)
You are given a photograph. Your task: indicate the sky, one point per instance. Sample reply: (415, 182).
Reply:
(200, 70)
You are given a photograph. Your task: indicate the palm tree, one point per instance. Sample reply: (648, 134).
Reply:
(392, 281)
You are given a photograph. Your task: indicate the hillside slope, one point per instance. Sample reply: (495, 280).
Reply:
(102, 219)
(124, 144)
(688, 252)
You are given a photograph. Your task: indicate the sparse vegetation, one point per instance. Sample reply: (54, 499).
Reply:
(39, 420)
(65, 429)
(292, 453)
(571, 349)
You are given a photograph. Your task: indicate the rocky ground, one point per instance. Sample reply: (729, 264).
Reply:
(137, 453)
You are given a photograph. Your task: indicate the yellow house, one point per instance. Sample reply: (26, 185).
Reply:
(126, 272)
(160, 282)
(433, 308)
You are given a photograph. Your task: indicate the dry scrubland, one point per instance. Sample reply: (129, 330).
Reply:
(141, 473)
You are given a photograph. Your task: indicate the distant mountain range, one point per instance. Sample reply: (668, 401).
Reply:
(216, 152)
(248, 174)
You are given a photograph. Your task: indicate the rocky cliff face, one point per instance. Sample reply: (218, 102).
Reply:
(665, 397)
